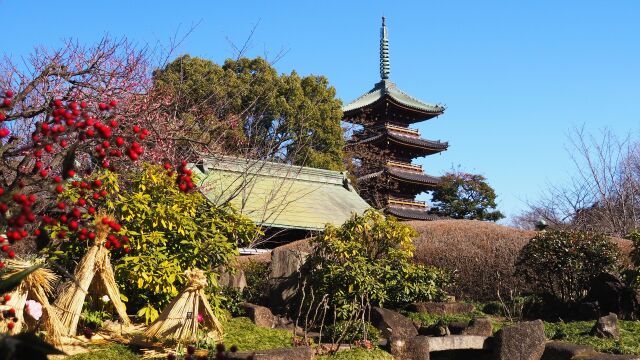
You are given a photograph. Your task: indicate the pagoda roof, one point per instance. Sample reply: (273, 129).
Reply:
(386, 99)
(428, 146)
(386, 92)
(279, 195)
(409, 213)
(404, 175)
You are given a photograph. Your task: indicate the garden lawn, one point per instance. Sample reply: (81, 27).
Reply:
(107, 352)
(358, 354)
(578, 332)
(240, 331)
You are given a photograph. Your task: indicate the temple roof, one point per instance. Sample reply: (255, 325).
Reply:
(280, 195)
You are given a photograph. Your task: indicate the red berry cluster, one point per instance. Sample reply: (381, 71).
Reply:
(6, 103)
(184, 180)
(68, 123)
(9, 315)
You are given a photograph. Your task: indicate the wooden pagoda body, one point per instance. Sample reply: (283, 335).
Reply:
(384, 145)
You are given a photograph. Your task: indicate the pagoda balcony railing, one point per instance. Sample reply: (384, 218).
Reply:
(402, 129)
(404, 166)
(406, 202)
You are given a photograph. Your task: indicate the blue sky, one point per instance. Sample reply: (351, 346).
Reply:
(516, 76)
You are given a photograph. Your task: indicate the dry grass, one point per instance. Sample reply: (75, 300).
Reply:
(36, 286)
(93, 273)
(179, 320)
(483, 254)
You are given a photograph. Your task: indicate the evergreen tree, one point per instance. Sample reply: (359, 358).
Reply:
(465, 196)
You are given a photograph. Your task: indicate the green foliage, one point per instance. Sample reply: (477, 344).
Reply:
(247, 336)
(171, 231)
(257, 277)
(109, 351)
(561, 263)
(350, 331)
(358, 354)
(93, 319)
(465, 196)
(368, 260)
(282, 114)
(168, 231)
(578, 332)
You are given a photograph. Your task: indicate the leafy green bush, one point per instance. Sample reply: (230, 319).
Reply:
(257, 277)
(368, 261)
(561, 263)
(167, 231)
(349, 332)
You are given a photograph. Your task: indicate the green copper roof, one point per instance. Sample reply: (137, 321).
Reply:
(278, 195)
(386, 88)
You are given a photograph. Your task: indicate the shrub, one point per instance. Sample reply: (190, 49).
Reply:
(257, 277)
(368, 261)
(481, 254)
(165, 232)
(350, 332)
(561, 263)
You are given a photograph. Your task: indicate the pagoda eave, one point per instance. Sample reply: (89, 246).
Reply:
(407, 213)
(388, 108)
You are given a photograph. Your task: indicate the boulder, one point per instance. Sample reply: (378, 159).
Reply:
(458, 327)
(235, 279)
(606, 327)
(523, 341)
(562, 350)
(598, 356)
(391, 323)
(283, 276)
(296, 353)
(614, 296)
(441, 308)
(479, 326)
(260, 315)
(412, 348)
(285, 263)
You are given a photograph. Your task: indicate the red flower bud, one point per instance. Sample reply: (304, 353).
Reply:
(4, 132)
(8, 93)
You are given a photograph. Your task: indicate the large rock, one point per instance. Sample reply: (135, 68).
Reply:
(260, 315)
(419, 347)
(614, 296)
(479, 326)
(413, 348)
(598, 356)
(284, 275)
(523, 341)
(606, 327)
(441, 308)
(297, 353)
(391, 323)
(235, 279)
(561, 350)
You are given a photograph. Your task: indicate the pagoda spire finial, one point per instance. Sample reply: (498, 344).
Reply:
(384, 51)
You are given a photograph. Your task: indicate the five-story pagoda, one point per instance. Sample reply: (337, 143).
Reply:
(383, 145)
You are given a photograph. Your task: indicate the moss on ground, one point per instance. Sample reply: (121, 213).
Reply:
(107, 351)
(247, 336)
(358, 354)
(578, 332)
